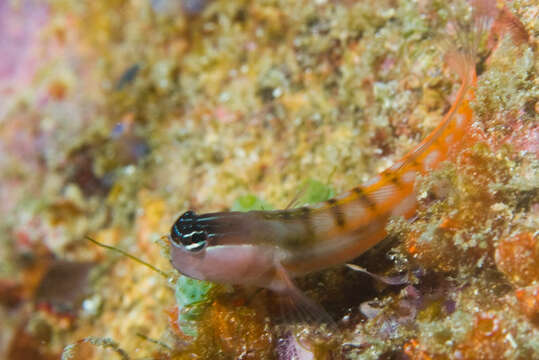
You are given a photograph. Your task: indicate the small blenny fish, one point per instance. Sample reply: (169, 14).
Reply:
(269, 248)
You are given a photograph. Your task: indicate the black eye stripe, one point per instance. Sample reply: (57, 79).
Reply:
(188, 233)
(192, 236)
(176, 230)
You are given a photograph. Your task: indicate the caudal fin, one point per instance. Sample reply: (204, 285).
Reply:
(466, 38)
(490, 23)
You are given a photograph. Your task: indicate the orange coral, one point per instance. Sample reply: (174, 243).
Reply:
(486, 340)
(231, 323)
(415, 351)
(226, 328)
(518, 258)
(528, 299)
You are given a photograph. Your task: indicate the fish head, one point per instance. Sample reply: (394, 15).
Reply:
(220, 247)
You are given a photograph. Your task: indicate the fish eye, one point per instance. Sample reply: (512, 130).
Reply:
(195, 241)
(188, 234)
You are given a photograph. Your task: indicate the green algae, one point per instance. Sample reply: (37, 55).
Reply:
(192, 298)
(250, 202)
(311, 192)
(314, 191)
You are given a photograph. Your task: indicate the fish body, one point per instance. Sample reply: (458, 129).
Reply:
(269, 248)
(244, 247)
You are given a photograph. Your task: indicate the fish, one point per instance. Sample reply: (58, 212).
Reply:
(268, 249)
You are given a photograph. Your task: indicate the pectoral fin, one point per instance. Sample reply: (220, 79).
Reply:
(296, 306)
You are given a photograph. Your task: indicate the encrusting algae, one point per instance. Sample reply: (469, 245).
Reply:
(137, 111)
